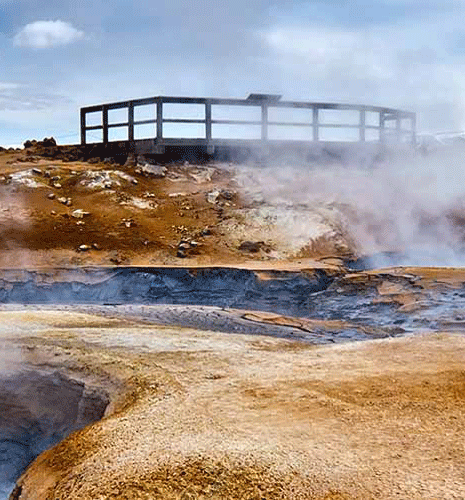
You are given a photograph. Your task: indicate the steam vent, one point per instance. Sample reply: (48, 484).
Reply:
(233, 299)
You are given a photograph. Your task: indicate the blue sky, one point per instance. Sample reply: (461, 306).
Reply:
(59, 55)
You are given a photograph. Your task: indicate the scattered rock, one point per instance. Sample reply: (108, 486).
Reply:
(212, 196)
(130, 161)
(79, 214)
(57, 185)
(157, 171)
(48, 142)
(84, 248)
(202, 175)
(51, 196)
(65, 201)
(95, 246)
(252, 246)
(37, 171)
(177, 195)
(128, 222)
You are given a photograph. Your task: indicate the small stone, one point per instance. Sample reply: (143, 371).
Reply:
(184, 245)
(79, 214)
(62, 199)
(84, 248)
(51, 196)
(95, 246)
(135, 182)
(156, 171)
(212, 196)
(57, 185)
(37, 171)
(53, 212)
(181, 254)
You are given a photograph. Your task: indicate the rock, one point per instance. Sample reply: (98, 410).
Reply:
(251, 246)
(206, 232)
(184, 245)
(56, 185)
(29, 144)
(135, 182)
(37, 171)
(130, 161)
(95, 246)
(65, 201)
(51, 196)
(212, 196)
(157, 171)
(181, 254)
(128, 222)
(202, 175)
(93, 160)
(84, 248)
(79, 214)
(48, 142)
(53, 212)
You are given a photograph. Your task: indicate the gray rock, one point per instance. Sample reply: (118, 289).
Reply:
(157, 171)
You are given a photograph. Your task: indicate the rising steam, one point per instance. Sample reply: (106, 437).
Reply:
(411, 203)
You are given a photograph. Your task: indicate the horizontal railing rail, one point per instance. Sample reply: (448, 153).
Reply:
(385, 116)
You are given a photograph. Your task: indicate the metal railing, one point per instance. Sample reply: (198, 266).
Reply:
(264, 102)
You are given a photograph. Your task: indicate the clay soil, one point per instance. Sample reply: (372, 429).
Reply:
(197, 414)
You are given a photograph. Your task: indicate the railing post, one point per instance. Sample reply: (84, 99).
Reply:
(159, 148)
(159, 120)
(362, 125)
(315, 124)
(414, 129)
(264, 121)
(398, 128)
(105, 124)
(83, 128)
(208, 128)
(131, 122)
(382, 135)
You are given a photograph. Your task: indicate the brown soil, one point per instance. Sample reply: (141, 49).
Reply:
(139, 222)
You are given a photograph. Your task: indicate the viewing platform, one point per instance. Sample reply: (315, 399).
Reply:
(260, 123)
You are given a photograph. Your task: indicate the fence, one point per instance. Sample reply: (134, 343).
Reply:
(387, 124)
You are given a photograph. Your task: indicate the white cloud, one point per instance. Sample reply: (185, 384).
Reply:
(47, 34)
(409, 66)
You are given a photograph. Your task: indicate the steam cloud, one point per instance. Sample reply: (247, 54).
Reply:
(411, 203)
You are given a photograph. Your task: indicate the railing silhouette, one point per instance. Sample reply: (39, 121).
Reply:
(265, 102)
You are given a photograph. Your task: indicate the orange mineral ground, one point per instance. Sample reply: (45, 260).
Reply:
(165, 401)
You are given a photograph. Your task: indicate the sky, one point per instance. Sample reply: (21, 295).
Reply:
(59, 55)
